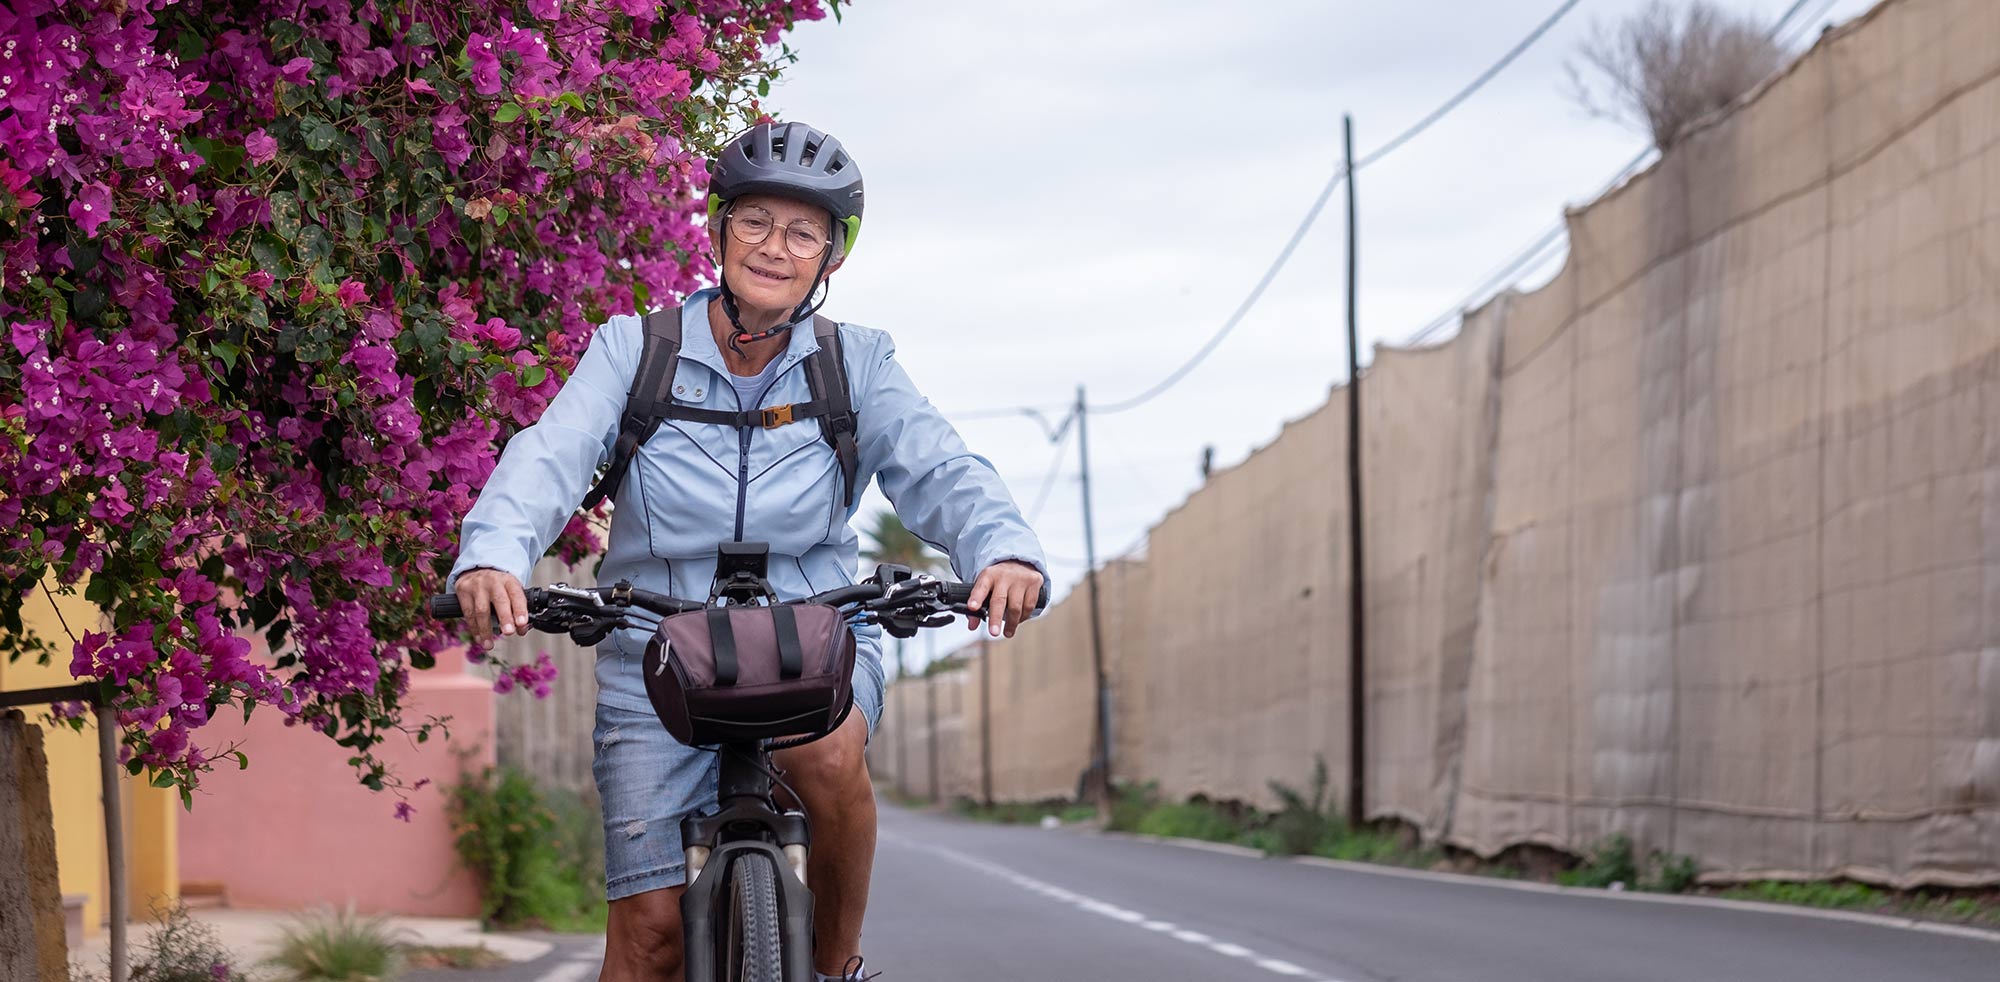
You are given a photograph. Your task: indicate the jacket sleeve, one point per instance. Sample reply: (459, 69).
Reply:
(547, 468)
(947, 495)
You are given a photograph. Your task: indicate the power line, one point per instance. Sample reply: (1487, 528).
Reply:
(1536, 252)
(1055, 470)
(1465, 93)
(1263, 282)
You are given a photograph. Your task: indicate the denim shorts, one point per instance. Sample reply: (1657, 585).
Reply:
(647, 782)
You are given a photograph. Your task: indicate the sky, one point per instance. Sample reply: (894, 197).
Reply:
(1081, 192)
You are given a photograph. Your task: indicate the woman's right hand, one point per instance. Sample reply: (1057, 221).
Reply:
(488, 596)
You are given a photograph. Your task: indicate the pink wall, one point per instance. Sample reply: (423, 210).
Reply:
(295, 830)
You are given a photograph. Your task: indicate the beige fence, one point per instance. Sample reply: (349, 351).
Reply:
(550, 738)
(1699, 543)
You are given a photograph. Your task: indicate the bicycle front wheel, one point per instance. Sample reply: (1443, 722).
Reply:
(753, 944)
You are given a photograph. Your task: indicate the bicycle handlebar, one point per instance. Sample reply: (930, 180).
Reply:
(615, 599)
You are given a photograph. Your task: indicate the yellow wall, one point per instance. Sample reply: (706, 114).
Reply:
(151, 814)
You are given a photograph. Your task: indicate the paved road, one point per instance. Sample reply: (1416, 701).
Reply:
(956, 900)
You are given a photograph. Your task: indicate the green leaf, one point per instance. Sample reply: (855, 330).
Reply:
(162, 779)
(284, 216)
(101, 590)
(210, 279)
(315, 244)
(242, 759)
(283, 34)
(319, 134)
(571, 100)
(508, 113)
(500, 215)
(227, 352)
(533, 375)
(764, 86)
(420, 35)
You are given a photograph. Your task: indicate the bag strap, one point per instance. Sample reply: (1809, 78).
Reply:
(722, 643)
(826, 374)
(646, 403)
(791, 658)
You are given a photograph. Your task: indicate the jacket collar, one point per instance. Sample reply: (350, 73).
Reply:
(698, 341)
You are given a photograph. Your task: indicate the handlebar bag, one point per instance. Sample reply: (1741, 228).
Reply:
(728, 674)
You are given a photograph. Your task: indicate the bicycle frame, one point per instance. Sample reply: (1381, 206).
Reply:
(748, 821)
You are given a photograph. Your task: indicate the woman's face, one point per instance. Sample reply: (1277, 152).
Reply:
(770, 277)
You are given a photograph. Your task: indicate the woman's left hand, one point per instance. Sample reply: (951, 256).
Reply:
(1007, 591)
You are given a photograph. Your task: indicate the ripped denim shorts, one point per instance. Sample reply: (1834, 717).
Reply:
(648, 782)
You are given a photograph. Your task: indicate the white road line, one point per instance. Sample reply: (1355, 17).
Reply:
(573, 971)
(1120, 914)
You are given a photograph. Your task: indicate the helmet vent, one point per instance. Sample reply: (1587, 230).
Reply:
(837, 164)
(806, 157)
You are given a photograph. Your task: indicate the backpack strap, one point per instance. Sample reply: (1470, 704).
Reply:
(826, 374)
(651, 401)
(647, 403)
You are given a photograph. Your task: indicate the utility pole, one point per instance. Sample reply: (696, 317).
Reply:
(930, 713)
(1102, 764)
(1357, 700)
(902, 723)
(985, 724)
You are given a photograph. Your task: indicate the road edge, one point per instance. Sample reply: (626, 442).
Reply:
(1685, 900)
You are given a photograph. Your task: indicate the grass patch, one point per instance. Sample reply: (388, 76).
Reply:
(1025, 812)
(1980, 908)
(452, 956)
(1194, 819)
(339, 946)
(1614, 863)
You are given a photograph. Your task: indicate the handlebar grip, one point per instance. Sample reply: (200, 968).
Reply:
(956, 593)
(445, 606)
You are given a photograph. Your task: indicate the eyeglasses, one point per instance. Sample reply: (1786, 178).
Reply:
(802, 238)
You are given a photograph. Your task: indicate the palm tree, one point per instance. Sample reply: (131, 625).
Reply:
(890, 542)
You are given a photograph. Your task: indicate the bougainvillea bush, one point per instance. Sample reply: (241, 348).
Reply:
(278, 278)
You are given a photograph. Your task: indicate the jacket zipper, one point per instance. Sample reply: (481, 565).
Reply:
(743, 447)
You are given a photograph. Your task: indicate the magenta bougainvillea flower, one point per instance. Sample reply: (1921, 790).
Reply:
(276, 280)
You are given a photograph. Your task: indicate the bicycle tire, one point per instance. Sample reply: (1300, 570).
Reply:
(753, 949)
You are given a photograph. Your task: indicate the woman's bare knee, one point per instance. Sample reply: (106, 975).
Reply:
(642, 942)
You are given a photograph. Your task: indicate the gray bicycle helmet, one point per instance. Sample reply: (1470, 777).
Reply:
(791, 160)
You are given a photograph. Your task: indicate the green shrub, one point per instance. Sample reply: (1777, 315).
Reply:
(1130, 803)
(339, 946)
(180, 949)
(1610, 861)
(538, 856)
(1669, 874)
(1302, 822)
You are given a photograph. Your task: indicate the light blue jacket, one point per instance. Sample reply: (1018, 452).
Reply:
(696, 484)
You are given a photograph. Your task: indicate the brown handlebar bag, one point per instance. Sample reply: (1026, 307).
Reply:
(740, 674)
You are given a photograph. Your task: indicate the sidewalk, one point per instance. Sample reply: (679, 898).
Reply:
(252, 935)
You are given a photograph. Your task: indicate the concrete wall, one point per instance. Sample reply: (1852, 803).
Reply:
(1699, 543)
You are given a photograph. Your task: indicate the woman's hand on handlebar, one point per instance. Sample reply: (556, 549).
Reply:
(1006, 590)
(490, 595)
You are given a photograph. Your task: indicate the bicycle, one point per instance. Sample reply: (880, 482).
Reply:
(759, 850)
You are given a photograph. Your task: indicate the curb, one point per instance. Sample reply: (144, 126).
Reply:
(1683, 900)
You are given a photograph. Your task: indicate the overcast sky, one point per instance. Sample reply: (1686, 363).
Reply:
(1082, 191)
